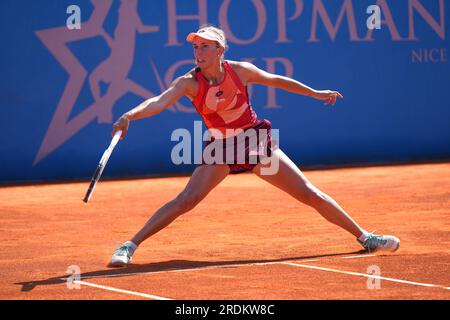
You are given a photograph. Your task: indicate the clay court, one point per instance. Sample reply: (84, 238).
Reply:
(265, 246)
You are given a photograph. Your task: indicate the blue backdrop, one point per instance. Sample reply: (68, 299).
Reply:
(62, 88)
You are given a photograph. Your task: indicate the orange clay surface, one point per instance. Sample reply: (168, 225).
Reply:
(246, 240)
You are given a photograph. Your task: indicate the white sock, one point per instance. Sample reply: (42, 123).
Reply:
(131, 245)
(364, 236)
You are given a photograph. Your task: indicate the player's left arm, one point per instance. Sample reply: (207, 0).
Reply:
(256, 75)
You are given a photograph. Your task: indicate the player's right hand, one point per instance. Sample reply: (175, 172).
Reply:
(121, 124)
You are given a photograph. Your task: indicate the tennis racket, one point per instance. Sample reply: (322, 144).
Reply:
(101, 165)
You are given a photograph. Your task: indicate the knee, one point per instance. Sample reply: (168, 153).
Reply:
(312, 196)
(186, 201)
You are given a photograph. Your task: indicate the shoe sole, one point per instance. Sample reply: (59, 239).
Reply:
(118, 263)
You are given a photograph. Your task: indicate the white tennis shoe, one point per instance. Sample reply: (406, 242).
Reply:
(376, 242)
(122, 256)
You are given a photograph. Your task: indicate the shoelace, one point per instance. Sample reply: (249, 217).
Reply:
(373, 241)
(123, 250)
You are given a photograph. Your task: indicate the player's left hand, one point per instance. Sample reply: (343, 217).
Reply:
(328, 96)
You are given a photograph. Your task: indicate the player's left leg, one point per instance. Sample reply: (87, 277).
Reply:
(290, 179)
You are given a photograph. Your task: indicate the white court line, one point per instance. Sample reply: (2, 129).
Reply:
(199, 268)
(259, 264)
(358, 257)
(167, 271)
(311, 260)
(364, 275)
(149, 296)
(134, 293)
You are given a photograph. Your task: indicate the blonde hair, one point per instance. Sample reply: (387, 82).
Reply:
(220, 33)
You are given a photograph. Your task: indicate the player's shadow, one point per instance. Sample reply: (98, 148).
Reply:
(164, 266)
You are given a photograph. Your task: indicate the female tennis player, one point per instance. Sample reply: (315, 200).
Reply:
(218, 90)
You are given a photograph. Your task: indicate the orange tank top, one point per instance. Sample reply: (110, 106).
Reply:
(226, 105)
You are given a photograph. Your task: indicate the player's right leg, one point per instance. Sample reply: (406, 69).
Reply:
(202, 181)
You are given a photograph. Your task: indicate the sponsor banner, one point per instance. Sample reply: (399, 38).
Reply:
(69, 69)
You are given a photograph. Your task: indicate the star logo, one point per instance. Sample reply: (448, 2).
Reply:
(113, 71)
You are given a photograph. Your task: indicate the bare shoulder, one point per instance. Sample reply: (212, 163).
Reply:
(243, 69)
(249, 73)
(187, 83)
(241, 66)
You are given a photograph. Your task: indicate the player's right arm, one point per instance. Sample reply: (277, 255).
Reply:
(150, 107)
